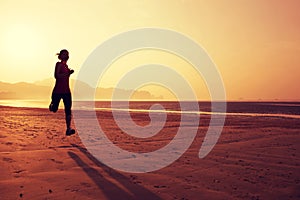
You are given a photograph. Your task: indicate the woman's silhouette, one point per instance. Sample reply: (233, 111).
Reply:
(62, 89)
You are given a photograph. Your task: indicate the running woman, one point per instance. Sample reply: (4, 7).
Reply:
(62, 89)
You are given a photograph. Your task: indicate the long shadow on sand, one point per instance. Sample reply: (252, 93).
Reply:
(110, 189)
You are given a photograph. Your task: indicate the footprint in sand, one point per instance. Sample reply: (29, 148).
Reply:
(19, 171)
(56, 161)
(10, 160)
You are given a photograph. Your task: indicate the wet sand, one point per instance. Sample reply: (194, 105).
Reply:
(255, 158)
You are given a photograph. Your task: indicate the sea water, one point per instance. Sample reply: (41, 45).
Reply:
(263, 109)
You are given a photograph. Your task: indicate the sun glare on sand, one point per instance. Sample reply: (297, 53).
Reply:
(21, 41)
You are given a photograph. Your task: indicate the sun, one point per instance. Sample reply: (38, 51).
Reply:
(21, 41)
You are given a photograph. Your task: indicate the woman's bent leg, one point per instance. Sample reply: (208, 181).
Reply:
(55, 99)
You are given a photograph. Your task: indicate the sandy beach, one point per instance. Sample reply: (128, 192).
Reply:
(255, 158)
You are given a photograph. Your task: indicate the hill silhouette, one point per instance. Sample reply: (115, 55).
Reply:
(41, 90)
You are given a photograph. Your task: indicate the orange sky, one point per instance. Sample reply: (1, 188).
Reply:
(255, 44)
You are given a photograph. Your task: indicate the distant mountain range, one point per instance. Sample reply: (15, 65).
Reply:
(41, 90)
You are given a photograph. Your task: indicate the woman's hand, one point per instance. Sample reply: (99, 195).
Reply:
(71, 71)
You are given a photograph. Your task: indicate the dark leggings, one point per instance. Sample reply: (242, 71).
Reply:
(67, 99)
